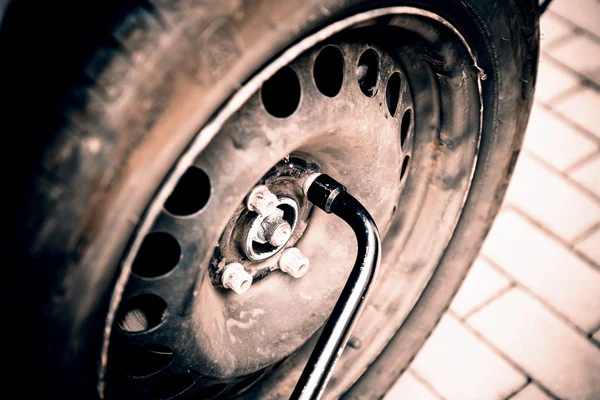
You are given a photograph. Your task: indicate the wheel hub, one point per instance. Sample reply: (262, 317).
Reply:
(273, 217)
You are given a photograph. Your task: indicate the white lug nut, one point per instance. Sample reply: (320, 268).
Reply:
(262, 201)
(293, 262)
(236, 278)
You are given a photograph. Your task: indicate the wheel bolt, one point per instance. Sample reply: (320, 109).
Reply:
(293, 262)
(280, 234)
(262, 201)
(274, 229)
(236, 278)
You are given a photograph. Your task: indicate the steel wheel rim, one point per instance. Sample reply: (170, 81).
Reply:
(237, 101)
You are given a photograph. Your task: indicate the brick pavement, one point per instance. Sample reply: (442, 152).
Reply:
(526, 323)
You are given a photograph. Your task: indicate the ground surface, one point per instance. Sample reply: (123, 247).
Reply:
(526, 323)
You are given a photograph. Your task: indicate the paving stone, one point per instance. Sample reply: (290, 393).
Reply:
(590, 246)
(535, 339)
(554, 141)
(580, 52)
(551, 199)
(545, 267)
(482, 283)
(589, 175)
(582, 108)
(584, 13)
(552, 29)
(408, 387)
(553, 80)
(596, 75)
(459, 366)
(531, 392)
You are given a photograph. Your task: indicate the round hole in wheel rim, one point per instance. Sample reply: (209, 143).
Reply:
(191, 193)
(367, 72)
(405, 127)
(171, 387)
(149, 360)
(142, 313)
(392, 93)
(329, 71)
(281, 93)
(404, 167)
(158, 255)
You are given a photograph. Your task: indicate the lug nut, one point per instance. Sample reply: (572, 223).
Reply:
(236, 278)
(293, 262)
(262, 201)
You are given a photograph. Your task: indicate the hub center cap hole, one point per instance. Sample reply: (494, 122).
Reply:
(268, 234)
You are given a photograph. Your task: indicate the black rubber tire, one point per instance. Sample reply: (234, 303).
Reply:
(105, 96)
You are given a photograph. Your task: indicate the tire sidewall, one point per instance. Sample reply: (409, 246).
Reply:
(76, 282)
